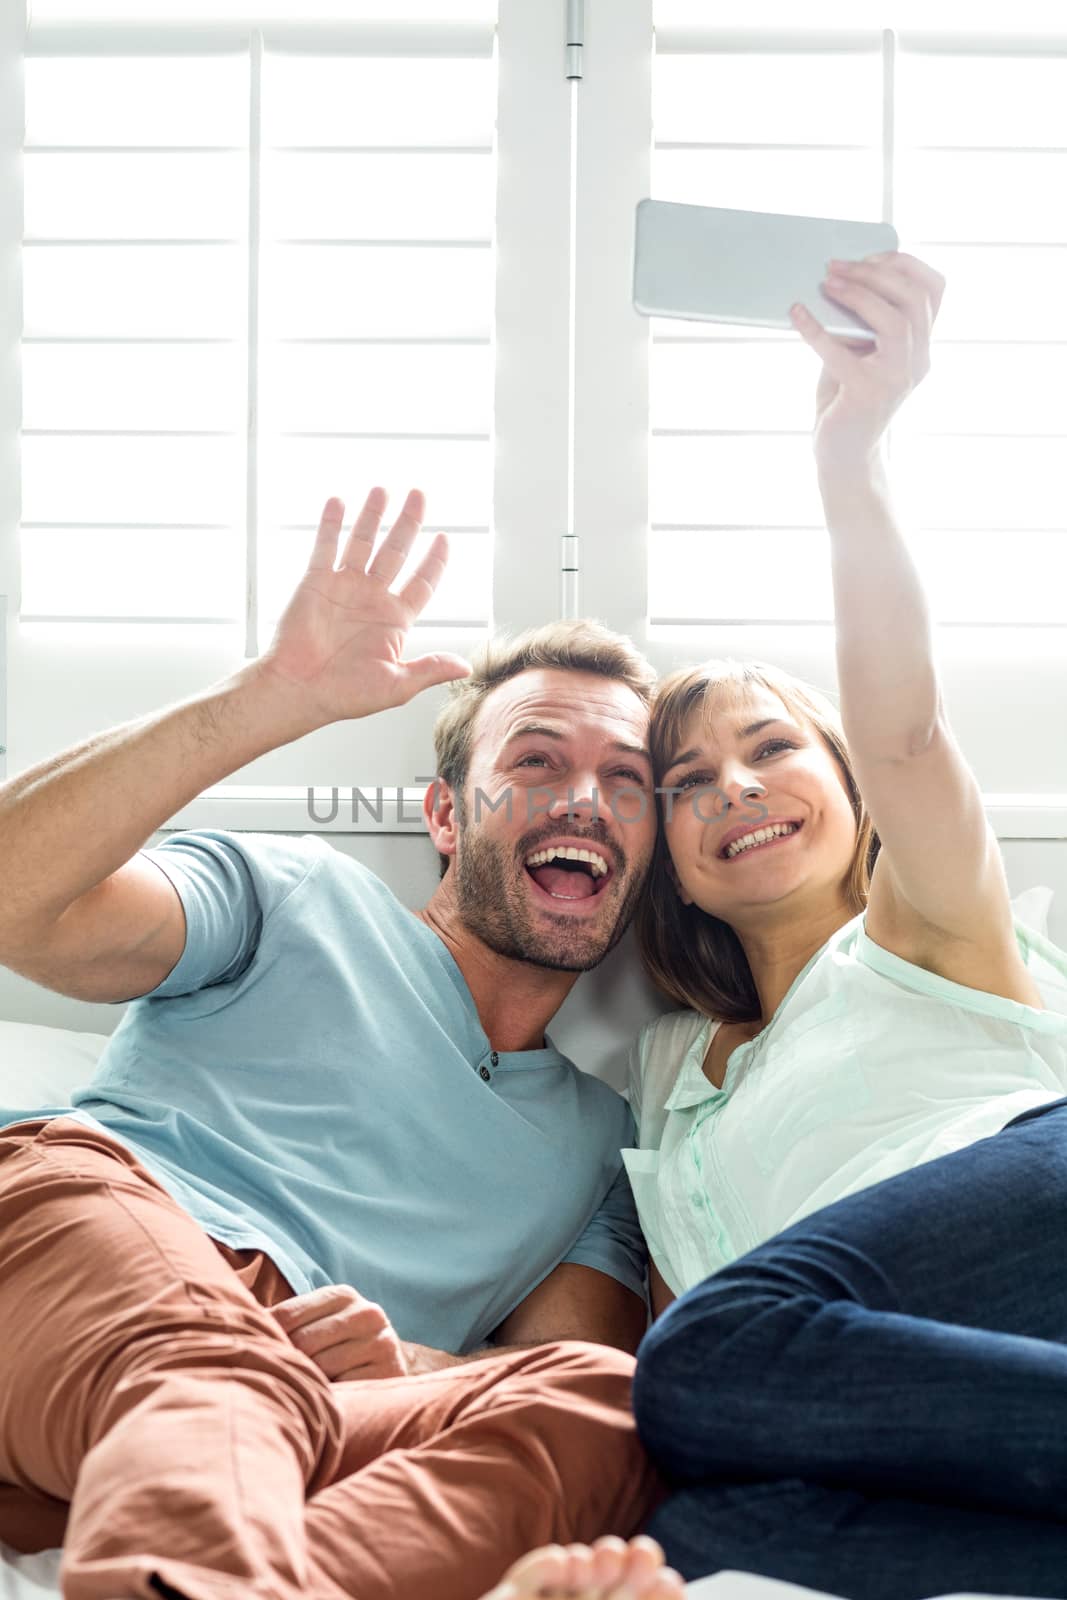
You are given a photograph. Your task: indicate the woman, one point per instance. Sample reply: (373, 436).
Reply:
(868, 1398)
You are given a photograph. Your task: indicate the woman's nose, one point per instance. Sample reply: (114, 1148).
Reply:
(737, 788)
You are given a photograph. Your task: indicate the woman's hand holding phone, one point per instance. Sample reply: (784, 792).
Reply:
(861, 385)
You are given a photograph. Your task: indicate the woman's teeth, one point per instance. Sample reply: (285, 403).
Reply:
(752, 841)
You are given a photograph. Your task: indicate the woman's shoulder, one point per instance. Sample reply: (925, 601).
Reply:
(660, 1049)
(670, 1034)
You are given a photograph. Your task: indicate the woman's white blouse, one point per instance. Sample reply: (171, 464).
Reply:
(868, 1067)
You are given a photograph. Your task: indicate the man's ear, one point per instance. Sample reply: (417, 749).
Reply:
(439, 813)
(686, 899)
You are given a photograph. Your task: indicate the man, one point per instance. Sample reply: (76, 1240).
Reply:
(315, 1088)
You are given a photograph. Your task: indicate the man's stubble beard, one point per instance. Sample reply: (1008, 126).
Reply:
(491, 905)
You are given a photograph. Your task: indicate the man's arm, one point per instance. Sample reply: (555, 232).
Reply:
(83, 913)
(350, 1337)
(596, 1293)
(571, 1303)
(577, 1303)
(80, 913)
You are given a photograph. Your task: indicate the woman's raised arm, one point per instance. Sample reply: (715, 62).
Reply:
(942, 864)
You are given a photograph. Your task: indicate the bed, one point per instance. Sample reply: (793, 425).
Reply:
(42, 1065)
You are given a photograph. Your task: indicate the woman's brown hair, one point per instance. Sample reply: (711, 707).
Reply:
(695, 958)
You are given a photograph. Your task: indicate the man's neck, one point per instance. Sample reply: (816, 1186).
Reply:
(515, 1000)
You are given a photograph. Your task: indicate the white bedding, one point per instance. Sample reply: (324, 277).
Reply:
(41, 1066)
(37, 1578)
(29, 1577)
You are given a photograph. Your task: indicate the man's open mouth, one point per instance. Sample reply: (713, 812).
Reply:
(568, 874)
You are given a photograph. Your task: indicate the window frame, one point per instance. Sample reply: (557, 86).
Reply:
(1020, 672)
(570, 425)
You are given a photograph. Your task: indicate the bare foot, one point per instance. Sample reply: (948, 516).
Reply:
(607, 1570)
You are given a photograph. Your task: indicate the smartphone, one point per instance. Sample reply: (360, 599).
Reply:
(713, 265)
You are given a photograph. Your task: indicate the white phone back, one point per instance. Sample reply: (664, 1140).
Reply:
(714, 265)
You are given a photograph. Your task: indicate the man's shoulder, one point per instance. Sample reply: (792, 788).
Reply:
(603, 1103)
(250, 842)
(276, 863)
(302, 850)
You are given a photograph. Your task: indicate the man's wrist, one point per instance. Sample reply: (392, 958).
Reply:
(270, 696)
(420, 1358)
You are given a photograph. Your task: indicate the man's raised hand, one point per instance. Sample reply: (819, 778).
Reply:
(338, 643)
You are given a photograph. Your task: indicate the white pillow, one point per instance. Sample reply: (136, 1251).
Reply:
(1032, 907)
(42, 1066)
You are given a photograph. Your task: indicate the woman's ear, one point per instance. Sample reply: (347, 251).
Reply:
(686, 899)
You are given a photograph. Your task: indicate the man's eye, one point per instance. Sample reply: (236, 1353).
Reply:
(635, 777)
(523, 760)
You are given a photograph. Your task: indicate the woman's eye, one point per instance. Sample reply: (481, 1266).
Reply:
(692, 778)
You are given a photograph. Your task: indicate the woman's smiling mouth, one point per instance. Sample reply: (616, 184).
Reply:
(759, 839)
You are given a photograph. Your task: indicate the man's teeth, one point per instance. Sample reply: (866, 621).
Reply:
(541, 858)
(760, 837)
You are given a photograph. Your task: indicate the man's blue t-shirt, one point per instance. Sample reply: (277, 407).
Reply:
(312, 1080)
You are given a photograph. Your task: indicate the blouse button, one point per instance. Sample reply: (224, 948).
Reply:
(484, 1072)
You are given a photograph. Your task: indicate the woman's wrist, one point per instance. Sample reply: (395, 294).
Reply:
(854, 484)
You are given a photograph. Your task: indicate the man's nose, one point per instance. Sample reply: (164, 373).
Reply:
(578, 797)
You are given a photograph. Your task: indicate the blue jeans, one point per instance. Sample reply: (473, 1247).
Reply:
(874, 1402)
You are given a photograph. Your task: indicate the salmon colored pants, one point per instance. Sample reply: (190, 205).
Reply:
(156, 1420)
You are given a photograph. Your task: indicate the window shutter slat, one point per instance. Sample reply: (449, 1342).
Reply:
(977, 451)
(375, 220)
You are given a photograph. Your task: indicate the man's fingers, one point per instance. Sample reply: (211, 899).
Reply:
(396, 546)
(346, 1335)
(357, 551)
(356, 1359)
(317, 1301)
(311, 1307)
(361, 1325)
(426, 672)
(324, 550)
(420, 586)
(386, 562)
